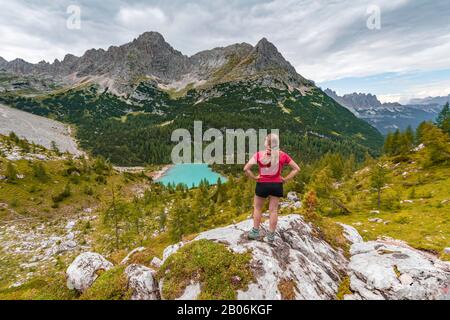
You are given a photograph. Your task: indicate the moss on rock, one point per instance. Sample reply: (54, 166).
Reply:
(110, 285)
(219, 271)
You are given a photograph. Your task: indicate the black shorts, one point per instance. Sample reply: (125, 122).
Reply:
(265, 189)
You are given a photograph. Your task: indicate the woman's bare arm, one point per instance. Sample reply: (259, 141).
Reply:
(248, 169)
(295, 170)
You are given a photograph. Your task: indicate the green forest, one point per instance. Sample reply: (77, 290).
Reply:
(137, 130)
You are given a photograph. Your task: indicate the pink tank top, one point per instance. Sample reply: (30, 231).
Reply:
(271, 173)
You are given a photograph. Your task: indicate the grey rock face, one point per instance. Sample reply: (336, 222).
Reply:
(150, 56)
(3, 62)
(19, 66)
(37, 129)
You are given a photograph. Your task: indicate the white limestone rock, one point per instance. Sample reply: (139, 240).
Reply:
(299, 254)
(82, 272)
(392, 270)
(142, 282)
(351, 234)
(191, 292)
(156, 262)
(292, 196)
(171, 250)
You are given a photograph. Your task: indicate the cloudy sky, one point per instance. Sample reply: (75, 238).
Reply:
(328, 41)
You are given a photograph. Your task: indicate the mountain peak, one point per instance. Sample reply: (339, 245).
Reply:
(3, 61)
(266, 47)
(151, 37)
(150, 55)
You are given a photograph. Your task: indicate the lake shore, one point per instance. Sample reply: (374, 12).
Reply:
(158, 174)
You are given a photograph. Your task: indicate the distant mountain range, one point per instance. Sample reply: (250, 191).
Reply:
(431, 100)
(388, 117)
(150, 57)
(126, 101)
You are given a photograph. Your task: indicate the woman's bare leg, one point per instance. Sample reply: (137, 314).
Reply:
(258, 204)
(273, 209)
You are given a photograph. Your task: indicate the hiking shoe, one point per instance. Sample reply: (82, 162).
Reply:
(253, 234)
(270, 237)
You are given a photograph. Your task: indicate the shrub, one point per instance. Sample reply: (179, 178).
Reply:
(88, 190)
(39, 172)
(63, 195)
(11, 172)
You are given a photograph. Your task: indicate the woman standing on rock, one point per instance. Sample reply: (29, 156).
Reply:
(269, 183)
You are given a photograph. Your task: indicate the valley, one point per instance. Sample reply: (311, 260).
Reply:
(389, 117)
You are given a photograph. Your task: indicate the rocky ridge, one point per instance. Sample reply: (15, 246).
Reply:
(150, 57)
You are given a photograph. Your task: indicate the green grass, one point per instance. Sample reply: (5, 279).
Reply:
(41, 288)
(110, 285)
(344, 289)
(209, 263)
(423, 224)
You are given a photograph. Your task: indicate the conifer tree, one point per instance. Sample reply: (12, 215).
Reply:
(443, 119)
(389, 144)
(377, 180)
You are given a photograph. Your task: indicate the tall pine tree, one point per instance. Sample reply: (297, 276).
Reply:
(443, 119)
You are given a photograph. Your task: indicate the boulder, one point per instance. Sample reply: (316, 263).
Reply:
(156, 262)
(351, 234)
(392, 270)
(292, 196)
(83, 271)
(141, 282)
(298, 254)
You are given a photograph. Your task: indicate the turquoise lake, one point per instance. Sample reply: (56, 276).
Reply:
(190, 174)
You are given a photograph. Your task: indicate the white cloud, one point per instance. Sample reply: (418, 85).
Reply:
(323, 39)
(149, 17)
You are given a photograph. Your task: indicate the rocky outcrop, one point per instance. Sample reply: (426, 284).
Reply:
(382, 269)
(141, 282)
(392, 270)
(83, 271)
(298, 255)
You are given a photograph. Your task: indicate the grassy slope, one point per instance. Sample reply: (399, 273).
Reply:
(28, 205)
(424, 224)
